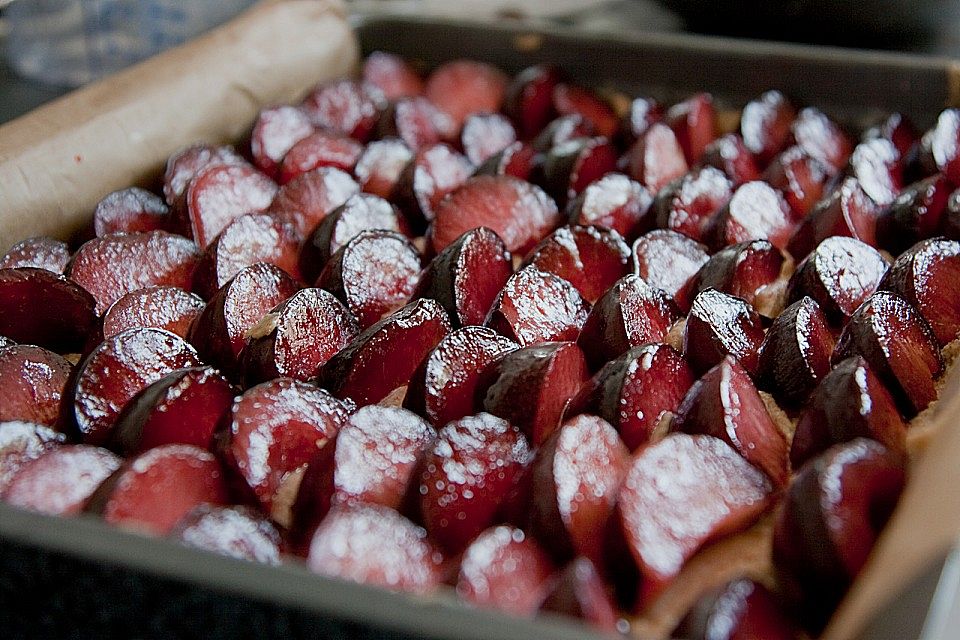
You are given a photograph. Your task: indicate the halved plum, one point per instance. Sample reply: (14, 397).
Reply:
(115, 265)
(678, 494)
(385, 355)
(636, 392)
(32, 381)
(465, 476)
(153, 491)
(297, 337)
(467, 276)
(274, 429)
(444, 386)
(504, 569)
(545, 375)
(114, 372)
(576, 478)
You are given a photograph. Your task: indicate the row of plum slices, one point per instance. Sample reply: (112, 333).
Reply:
(486, 385)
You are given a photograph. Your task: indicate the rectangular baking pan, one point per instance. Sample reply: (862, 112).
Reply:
(81, 578)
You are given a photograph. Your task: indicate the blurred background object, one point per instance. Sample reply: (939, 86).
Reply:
(872, 24)
(71, 42)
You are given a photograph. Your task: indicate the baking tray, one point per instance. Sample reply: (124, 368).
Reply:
(81, 578)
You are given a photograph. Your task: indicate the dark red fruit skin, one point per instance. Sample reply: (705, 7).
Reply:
(275, 132)
(44, 308)
(535, 307)
(850, 402)
(643, 112)
(319, 149)
(800, 178)
(380, 166)
(529, 99)
(765, 125)
(821, 138)
(32, 381)
(944, 144)
(183, 407)
(743, 270)
(669, 261)
(416, 121)
(298, 337)
(373, 274)
(219, 331)
(112, 266)
(188, 162)
(152, 492)
(580, 592)
(444, 386)
(877, 164)
(238, 532)
(950, 223)
(719, 325)
(371, 460)
(345, 106)
(546, 376)
(484, 135)
(739, 610)
(216, 195)
(130, 210)
(41, 252)
(693, 122)
(435, 171)
(589, 258)
(917, 214)
(518, 160)
(392, 75)
(461, 87)
(615, 202)
(360, 212)
(839, 275)
(570, 99)
(520, 213)
(576, 478)
(307, 199)
(848, 211)
(563, 129)
(504, 569)
(898, 129)
(465, 477)
(467, 276)
(928, 277)
(169, 308)
(113, 373)
(898, 344)
(729, 154)
(755, 211)
(687, 204)
(61, 480)
(724, 403)
(629, 314)
(247, 240)
(829, 521)
(375, 545)
(21, 442)
(402, 339)
(569, 167)
(660, 523)
(275, 428)
(656, 159)
(795, 354)
(636, 391)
